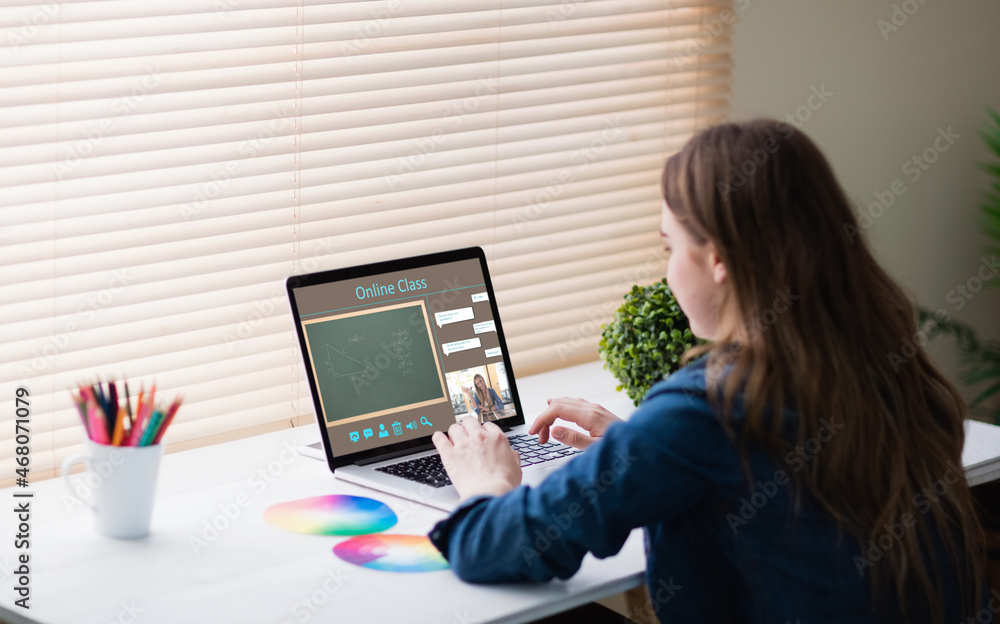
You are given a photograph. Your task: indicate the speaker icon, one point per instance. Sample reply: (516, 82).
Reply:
(412, 425)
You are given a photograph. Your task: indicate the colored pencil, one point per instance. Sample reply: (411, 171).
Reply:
(107, 421)
(112, 408)
(137, 422)
(128, 405)
(81, 408)
(116, 437)
(167, 419)
(95, 425)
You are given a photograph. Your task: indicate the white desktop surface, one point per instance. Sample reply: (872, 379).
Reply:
(251, 571)
(255, 572)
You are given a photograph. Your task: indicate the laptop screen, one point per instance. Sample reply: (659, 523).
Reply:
(397, 350)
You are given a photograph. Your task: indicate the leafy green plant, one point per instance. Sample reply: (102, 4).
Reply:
(990, 207)
(645, 339)
(980, 358)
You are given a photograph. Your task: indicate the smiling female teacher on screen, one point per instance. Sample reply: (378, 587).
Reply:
(794, 471)
(484, 400)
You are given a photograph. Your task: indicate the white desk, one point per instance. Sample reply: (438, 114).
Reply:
(253, 572)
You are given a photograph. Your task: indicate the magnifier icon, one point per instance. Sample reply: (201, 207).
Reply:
(424, 421)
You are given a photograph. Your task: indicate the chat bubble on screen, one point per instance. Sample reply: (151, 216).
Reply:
(477, 297)
(494, 352)
(453, 316)
(485, 326)
(461, 345)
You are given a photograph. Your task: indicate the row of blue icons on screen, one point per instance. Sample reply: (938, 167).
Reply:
(397, 429)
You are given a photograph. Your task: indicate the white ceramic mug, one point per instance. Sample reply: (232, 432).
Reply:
(119, 485)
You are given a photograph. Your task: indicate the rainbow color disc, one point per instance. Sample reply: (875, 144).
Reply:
(392, 553)
(335, 514)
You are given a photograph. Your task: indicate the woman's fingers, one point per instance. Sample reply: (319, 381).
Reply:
(572, 438)
(458, 435)
(542, 432)
(493, 430)
(478, 458)
(549, 415)
(573, 401)
(471, 428)
(444, 446)
(590, 416)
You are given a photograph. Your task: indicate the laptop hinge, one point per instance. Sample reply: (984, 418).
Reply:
(394, 454)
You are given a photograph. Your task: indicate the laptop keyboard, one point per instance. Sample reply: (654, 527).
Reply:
(430, 471)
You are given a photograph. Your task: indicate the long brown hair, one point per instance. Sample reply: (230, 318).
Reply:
(827, 334)
(482, 394)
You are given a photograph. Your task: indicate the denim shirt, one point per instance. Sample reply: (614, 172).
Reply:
(716, 550)
(495, 401)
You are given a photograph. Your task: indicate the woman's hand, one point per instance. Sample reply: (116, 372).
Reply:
(478, 458)
(591, 416)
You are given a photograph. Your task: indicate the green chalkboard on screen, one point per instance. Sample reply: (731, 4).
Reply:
(375, 362)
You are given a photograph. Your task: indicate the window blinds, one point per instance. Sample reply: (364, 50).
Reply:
(164, 166)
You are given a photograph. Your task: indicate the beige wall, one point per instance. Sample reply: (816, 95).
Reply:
(891, 93)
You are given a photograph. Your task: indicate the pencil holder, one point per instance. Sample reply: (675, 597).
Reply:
(119, 485)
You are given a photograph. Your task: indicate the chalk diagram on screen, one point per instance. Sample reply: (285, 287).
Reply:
(374, 362)
(340, 363)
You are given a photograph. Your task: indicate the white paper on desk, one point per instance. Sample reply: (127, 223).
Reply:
(982, 444)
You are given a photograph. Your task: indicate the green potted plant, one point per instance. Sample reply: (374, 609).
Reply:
(981, 358)
(645, 339)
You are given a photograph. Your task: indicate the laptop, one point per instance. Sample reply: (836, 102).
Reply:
(397, 350)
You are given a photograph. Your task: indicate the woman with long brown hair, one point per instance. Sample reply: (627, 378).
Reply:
(485, 400)
(806, 465)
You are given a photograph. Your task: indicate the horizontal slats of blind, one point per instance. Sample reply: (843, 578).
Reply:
(164, 166)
